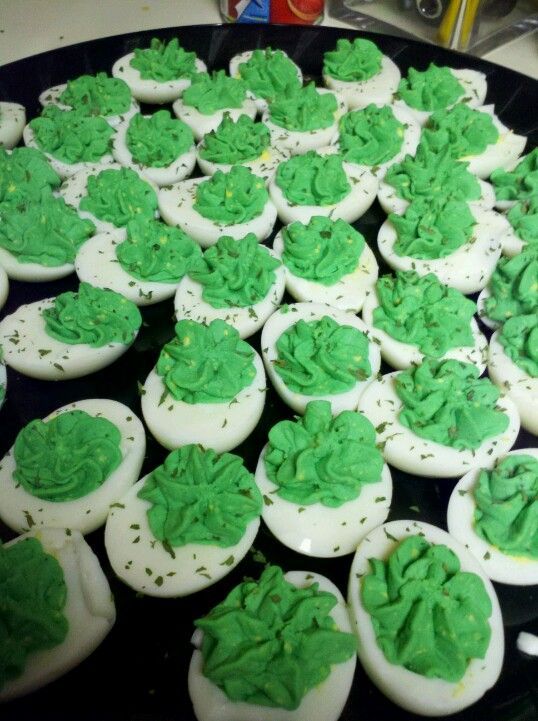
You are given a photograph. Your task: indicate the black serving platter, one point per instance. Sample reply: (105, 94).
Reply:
(139, 673)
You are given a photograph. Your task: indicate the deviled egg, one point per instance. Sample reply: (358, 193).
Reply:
(27, 176)
(522, 229)
(12, 122)
(516, 184)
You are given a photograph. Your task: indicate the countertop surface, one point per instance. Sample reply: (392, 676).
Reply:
(28, 27)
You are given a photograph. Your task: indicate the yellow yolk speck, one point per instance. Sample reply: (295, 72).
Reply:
(186, 341)
(266, 155)
(229, 194)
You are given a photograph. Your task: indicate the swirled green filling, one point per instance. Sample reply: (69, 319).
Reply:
(97, 95)
(71, 136)
(156, 252)
(269, 642)
(506, 514)
(324, 250)
(235, 273)
(523, 218)
(206, 363)
(313, 179)
(430, 175)
(25, 175)
(353, 61)
(432, 89)
(66, 457)
(322, 357)
(197, 496)
(96, 316)
(432, 229)
(229, 198)
(34, 594)
(47, 232)
(163, 61)
(520, 183)
(462, 129)
(209, 93)
(513, 287)
(424, 312)
(428, 615)
(519, 338)
(370, 136)
(118, 196)
(269, 73)
(447, 402)
(321, 459)
(236, 142)
(303, 109)
(158, 140)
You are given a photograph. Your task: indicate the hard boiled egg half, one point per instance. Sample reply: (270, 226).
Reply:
(12, 122)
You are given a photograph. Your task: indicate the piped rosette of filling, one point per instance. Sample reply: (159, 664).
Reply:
(208, 387)
(146, 266)
(377, 136)
(416, 316)
(513, 365)
(304, 118)
(475, 136)
(326, 261)
(158, 146)
(235, 203)
(93, 95)
(314, 352)
(25, 176)
(158, 74)
(12, 122)
(70, 139)
(239, 142)
(203, 105)
(323, 481)
(512, 290)
(301, 670)
(518, 184)
(57, 607)
(66, 470)
(495, 514)
(39, 239)
(71, 335)
(439, 88)
(322, 184)
(238, 281)
(449, 238)
(440, 419)
(185, 525)
(426, 617)
(432, 175)
(360, 72)
(267, 74)
(111, 197)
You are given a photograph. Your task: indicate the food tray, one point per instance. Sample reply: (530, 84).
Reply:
(139, 673)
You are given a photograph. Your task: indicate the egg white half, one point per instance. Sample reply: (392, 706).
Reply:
(281, 320)
(51, 96)
(176, 208)
(347, 294)
(32, 272)
(364, 187)
(322, 703)
(512, 244)
(23, 336)
(3, 384)
(469, 268)
(515, 383)
(499, 566)
(265, 166)
(410, 453)
(189, 303)
(401, 355)
(221, 426)
(392, 203)
(481, 307)
(177, 170)
(89, 609)
(412, 691)
(201, 124)
(133, 551)
(377, 89)
(318, 530)
(4, 287)
(12, 122)
(150, 91)
(87, 513)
